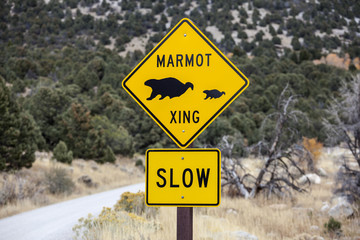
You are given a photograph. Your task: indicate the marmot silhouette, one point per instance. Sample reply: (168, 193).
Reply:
(213, 93)
(170, 87)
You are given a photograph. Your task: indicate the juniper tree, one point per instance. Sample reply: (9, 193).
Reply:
(17, 133)
(108, 156)
(62, 154)
(80, 135)
(47, 106)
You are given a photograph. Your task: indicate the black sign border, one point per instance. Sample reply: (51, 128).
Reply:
(218, 112)
(183, 204)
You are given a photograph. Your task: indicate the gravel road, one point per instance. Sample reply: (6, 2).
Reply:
(55, 222)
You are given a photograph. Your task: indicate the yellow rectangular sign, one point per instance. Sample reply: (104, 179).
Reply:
(188, 177)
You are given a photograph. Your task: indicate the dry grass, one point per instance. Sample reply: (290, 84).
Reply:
(262, 218)
(266, 219)
(299, 218)
(26, 189)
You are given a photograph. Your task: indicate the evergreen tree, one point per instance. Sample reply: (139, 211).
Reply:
(272, 30)
(109, 156)
(295, 43)
(116, 137)
(46, 106)
(62, 154)
(86, 79)
(276, 40)
(17, 133)
(80, 135)
(259, 36)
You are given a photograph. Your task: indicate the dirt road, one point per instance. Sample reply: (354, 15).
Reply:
(55, 222)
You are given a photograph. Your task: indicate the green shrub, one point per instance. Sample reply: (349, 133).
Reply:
(7, 192)
(333, 226)
(276, 40)
(58, 181)
(135, 203)
(116, 137)
(109, 156)
(138, 163)
(86, 79)
(126, 220)
(62, 154)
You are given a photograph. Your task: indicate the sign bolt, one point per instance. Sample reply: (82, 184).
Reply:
(183, 130)
(185, 35)
(182, 158)
(182, 197)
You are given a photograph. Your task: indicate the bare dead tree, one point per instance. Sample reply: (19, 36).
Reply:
(343, 125)
(233, 172)
(279, 151)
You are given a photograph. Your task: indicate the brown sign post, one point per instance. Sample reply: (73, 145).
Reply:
(184, 227)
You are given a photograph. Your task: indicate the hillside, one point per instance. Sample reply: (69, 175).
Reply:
(63, 63)
(327, 26)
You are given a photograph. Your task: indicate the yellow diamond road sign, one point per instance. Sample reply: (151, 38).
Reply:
(184, 83)
(187, 177)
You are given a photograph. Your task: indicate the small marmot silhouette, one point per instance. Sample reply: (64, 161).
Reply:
(170, 87)
(213, 94)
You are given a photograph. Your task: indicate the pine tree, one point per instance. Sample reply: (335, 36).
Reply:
(17, 133)
(62, 154)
